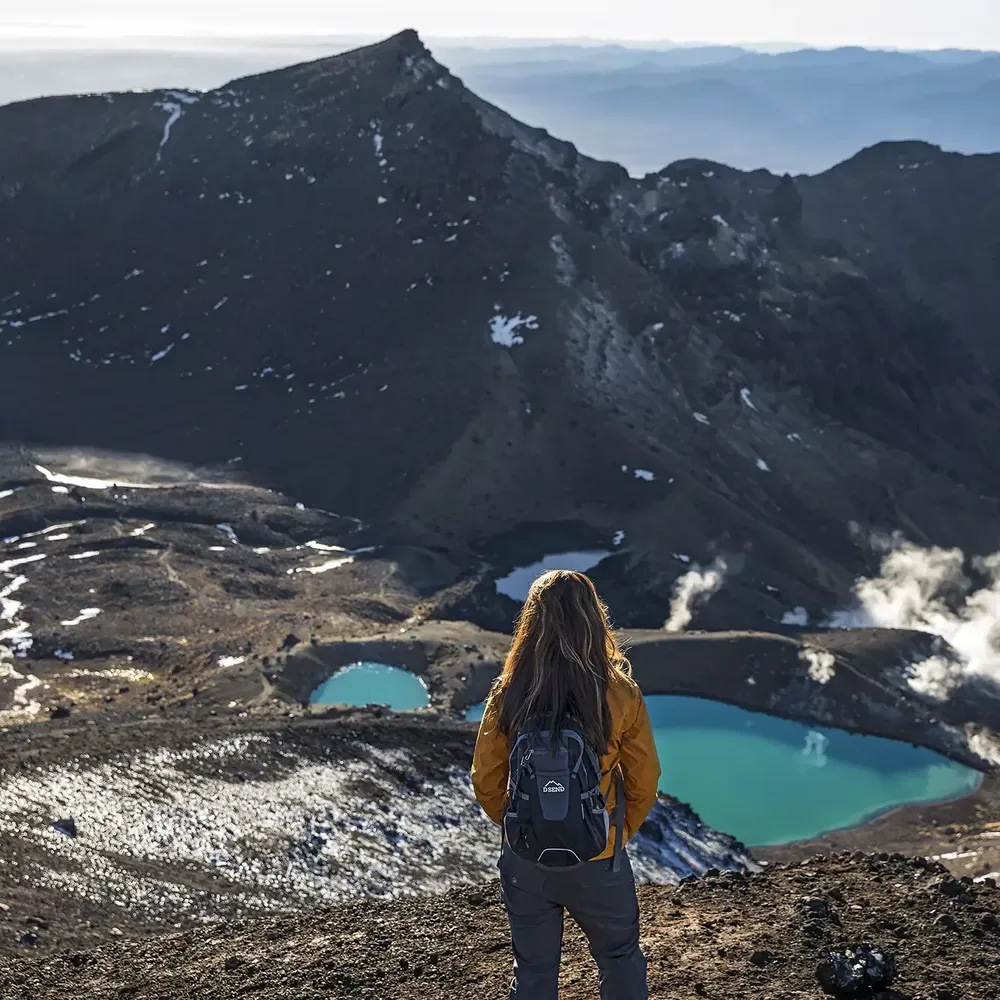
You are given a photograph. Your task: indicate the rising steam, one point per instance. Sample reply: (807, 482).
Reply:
(820, 663)
(693, 589)
(930, 591)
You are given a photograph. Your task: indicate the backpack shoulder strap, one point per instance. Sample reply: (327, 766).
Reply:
(616, 864)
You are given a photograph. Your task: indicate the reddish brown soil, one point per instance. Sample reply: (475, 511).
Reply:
(728, 937)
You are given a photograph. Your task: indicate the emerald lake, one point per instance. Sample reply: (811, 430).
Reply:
(372, 683)
(770, 781)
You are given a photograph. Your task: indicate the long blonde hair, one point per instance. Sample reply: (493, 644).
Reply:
(562, 659)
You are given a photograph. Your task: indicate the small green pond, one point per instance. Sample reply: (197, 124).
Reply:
(770, 781)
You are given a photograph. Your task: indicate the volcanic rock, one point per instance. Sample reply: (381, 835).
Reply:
(698, 939)
(66, 826)
(860, 971)
(478, 328)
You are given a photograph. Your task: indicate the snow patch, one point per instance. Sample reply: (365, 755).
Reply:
(346, 559)
(160, 355)
(6, 567)
(17, 635)
(323, 547)
(324, 567)
(643, 474)
(85, 615)
(504, 329)
(174, 111)
(88, 482)
(21, 706)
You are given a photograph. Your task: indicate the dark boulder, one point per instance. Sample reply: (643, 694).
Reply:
(66, 826)
(860, 971)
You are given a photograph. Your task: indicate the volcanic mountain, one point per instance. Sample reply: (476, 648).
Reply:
(353, 286)
(357, 283)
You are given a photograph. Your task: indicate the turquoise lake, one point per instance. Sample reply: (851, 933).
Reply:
(769, 781)
(368, 683)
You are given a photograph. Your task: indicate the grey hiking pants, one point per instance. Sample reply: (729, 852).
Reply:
(601, 901)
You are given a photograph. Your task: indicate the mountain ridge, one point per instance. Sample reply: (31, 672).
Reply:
(367, 223)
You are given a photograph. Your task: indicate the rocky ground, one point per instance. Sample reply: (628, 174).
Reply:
(964, 835)
(135, 599)
(143, 827)
(727, 937)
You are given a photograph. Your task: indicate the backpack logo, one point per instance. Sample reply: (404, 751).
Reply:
(552, 786)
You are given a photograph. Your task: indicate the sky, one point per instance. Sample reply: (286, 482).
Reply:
(874, 23)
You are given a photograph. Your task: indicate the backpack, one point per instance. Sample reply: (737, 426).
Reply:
(556, 814)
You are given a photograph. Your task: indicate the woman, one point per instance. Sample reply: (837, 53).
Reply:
(567, 672)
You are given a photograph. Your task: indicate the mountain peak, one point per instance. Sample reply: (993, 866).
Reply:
(401, 49)
(369, 67)
(407, 41)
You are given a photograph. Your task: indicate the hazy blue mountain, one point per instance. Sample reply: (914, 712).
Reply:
(796, 111)
(799, 112)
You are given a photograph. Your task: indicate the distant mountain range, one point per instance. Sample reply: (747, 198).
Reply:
(798, 111)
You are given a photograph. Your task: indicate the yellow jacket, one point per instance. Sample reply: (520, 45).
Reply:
(631, 747)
